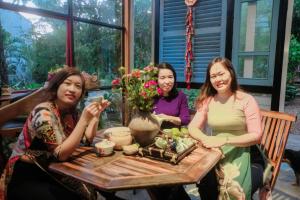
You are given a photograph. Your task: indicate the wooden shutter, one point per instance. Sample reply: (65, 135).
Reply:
(209, 23)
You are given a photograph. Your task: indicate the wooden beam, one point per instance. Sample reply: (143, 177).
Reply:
(127, 24)
(279, 55)
(127, 51)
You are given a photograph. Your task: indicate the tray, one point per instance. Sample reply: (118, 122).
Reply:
(167, 155)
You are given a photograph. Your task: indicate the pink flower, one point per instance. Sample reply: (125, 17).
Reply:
(140, 86)
(150, 68)
(146, 85)
(116, 81)
(159, 91)
(152, 82)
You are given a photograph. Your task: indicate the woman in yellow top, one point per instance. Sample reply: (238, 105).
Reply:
(234, 120)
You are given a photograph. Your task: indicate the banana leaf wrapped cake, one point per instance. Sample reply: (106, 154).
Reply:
(171, 145)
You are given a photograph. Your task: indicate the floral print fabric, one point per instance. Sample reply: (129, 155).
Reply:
(43, 131)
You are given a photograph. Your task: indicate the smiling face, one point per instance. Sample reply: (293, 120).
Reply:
(166, 80)
(220, 78)
(69, 91)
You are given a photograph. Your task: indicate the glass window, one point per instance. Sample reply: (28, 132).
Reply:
(57, 6)
(106, 11)
(142, 32)
(255, 67)
(98, 50)
(255, 26)
(32, 46)
(254, 48)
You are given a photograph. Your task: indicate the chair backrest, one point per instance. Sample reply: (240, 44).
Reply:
(276, 127)
(22, 106)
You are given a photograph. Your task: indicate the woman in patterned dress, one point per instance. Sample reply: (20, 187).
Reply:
(52, 132)
(234, 120)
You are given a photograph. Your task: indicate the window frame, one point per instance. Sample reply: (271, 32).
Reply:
(236, 53)
(69, 18)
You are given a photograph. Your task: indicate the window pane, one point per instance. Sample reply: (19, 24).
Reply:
(98, 50)
(112, 115)
(32, 46)
(253, 67)
(255, 27)
(57, 6)
(142, 32)
(106, 11)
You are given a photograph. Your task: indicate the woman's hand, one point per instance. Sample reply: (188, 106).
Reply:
(163, 117)
(213, 141)
(90, 111)
(169, 118)
(103, 105)
(94, 109)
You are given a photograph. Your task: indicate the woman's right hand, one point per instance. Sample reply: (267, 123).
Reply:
(90, 111)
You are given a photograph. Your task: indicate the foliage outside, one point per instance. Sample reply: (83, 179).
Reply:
(140, 87)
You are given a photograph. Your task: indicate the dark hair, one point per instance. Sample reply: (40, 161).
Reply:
(173, 92)
(60, 77)
(207, 90)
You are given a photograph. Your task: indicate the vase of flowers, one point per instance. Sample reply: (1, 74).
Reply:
(140, 88)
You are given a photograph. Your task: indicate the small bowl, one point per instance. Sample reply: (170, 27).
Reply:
(130, 149)
(105, 147)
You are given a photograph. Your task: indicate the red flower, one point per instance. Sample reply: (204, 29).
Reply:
(136, 74)
(116, 81)
(140, 87)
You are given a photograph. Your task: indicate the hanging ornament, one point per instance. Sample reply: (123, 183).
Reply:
(189, 46)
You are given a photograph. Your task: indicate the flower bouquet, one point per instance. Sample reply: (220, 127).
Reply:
(140, 88)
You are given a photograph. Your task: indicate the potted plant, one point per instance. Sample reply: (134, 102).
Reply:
(140, 87)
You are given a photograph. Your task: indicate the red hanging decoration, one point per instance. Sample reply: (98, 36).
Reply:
(189, 46)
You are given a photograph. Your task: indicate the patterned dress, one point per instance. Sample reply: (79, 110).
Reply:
(46, 128)
(237, 116)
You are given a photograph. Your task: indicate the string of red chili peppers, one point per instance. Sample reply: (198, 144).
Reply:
(189, 46)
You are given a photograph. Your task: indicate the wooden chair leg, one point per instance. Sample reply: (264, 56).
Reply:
(265, 193)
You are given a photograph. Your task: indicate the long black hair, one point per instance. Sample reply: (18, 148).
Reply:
(174, 91)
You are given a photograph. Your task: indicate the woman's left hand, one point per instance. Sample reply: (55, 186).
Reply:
(213, 141)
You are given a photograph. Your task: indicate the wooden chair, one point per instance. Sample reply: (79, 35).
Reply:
(13, 117)
(276, 127)
(14, 114)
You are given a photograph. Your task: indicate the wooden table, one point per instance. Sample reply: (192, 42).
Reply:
(119, 172)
